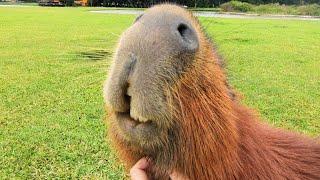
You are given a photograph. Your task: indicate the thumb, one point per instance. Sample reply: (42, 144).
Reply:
(138, 172)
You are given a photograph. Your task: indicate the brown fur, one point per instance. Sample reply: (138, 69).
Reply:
(228, 142)
(213, 136)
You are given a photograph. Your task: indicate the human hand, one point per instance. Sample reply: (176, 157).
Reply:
(138, 171)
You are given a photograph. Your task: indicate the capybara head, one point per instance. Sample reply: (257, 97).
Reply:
(152, 55)
(163, 85)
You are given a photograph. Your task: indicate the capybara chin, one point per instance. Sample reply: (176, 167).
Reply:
(169, 100)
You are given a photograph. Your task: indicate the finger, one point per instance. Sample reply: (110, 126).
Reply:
(142, 164)
(137, 172)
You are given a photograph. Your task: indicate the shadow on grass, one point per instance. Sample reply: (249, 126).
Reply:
(95, 55)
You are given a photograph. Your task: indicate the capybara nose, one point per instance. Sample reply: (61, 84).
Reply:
(187, 37)
(165, 30)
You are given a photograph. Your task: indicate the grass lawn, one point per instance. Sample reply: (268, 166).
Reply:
(53, 62)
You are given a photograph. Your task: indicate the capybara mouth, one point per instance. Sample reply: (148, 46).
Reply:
(134, 126)
(134, 129)
(130, 122)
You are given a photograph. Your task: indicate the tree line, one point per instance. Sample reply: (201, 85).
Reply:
(187, 3)
(190, 3)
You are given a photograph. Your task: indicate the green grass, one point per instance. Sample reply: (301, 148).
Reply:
(275, 65)
(51, 105)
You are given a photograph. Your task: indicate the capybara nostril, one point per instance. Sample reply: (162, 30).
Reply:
(188, 37)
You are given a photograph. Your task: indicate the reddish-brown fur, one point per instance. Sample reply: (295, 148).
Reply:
(235, 145)
(215, 137)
